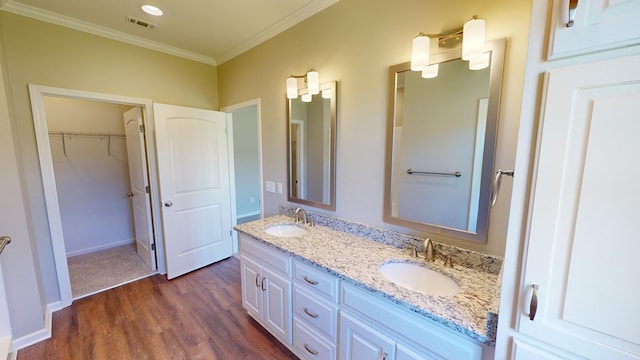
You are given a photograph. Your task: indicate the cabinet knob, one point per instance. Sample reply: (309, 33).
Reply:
(168, 203)
(533, 305)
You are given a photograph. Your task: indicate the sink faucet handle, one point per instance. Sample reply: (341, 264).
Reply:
(414, 250)
(448, 262)
(428, 248)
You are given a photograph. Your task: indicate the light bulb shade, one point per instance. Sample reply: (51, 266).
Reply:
(431, 71)
(326, 94)
(473, 39)
(420, 52)
(292, 87)
(480, 62)
(313, 82)
(306, 97)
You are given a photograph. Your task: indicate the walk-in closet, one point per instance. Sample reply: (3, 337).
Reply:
(93, 184)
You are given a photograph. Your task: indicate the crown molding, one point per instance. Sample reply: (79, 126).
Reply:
(72, 23)
(273, 30)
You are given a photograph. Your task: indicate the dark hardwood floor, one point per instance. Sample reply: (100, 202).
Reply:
(196, 316)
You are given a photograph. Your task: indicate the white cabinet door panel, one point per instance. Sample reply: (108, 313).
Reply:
(359, 341)
(583, 236)
(598, 25)
(277, 304)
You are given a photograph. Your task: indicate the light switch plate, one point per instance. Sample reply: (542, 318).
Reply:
(280, 188)
(270, 186)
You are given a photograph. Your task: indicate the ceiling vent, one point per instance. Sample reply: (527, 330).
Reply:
(141, 23)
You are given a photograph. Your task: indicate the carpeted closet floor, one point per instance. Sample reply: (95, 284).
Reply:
(105, 269)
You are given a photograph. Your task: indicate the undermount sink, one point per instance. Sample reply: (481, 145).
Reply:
(285, 230)
(419, 278)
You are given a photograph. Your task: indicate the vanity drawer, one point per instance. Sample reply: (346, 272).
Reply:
(316, 280)
(317, 312)
(309, 345)
(276, 259)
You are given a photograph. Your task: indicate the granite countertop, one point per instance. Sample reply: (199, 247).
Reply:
(356, 260)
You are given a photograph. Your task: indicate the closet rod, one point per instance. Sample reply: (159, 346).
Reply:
(82, 134)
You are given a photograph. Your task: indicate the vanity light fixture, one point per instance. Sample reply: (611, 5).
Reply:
(480, 62)
(306, 97)
(152, 10)
(472, 34)
(326, 94)
(312, 78)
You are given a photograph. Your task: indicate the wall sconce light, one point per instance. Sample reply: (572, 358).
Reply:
(312, 78)
(472, 34)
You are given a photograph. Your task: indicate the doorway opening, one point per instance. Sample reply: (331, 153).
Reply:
(94, 178)
(245, 149)
(89, 193)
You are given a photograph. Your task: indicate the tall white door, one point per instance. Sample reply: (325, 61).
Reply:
(581, 265)
(139, 193)
(194, 186)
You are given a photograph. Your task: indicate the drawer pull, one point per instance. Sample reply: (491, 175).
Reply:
(383, 356)
(262, 286)
(311, 351)
(309, 281)
(573, 5)
(306, 311)
(257, 280)
(533, 306)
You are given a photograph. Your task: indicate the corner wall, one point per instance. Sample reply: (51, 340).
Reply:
(355, 42)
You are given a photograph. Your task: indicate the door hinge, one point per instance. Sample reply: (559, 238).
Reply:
(231, 233)
(142, 128)
(146, 189)
(153, 246)
(225, 131)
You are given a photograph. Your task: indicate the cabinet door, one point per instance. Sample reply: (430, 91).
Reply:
(251, 282)
(359, 341)
(277, 305)
(598, 25)
(583, 240)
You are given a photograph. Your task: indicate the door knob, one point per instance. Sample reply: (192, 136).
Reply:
(130, 194)
(168, 203)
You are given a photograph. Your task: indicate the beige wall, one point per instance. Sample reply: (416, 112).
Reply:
(45, 54)
(354, 42)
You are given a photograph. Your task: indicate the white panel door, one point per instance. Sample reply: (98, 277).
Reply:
(598, 25)
(194, 186)
(583, 242)
(140, 198)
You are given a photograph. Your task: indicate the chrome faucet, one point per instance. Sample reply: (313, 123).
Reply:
(300, 212)
(428, 248)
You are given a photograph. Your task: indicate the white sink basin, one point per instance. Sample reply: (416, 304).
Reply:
(285, 230)
(419, 278)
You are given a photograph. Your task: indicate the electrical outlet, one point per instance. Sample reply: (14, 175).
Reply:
(280, 188)
(253, 200)
(270, 186)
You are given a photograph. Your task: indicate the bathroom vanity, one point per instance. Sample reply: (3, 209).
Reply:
(320, 292)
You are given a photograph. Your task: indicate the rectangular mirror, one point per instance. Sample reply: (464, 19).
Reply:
(311, 147)
(441, 135)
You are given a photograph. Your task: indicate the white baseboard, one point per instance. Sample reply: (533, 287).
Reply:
(100, 247)
(37, 336)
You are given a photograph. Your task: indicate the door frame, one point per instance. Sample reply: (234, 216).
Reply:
(37, 94)
(232, 177)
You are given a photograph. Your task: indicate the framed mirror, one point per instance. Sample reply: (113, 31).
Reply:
(311, 148)
(441, 136)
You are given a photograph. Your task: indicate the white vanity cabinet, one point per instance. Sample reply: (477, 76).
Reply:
(372, 328)
(320, 317)
(266, 286)
(315, 312)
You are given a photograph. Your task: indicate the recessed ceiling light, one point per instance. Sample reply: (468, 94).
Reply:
(152, 10)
